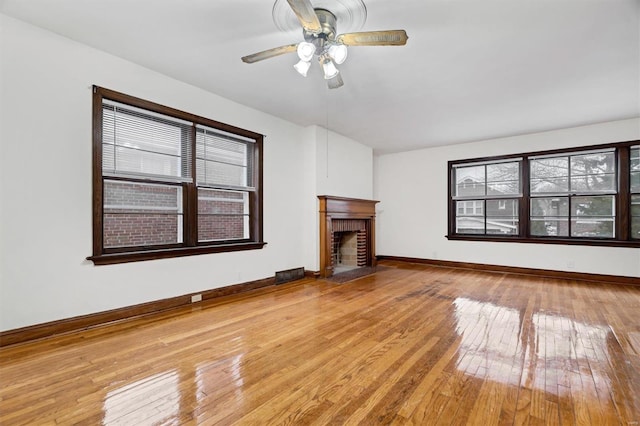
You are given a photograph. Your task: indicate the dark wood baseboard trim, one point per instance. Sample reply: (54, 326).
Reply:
(83, 322)
(581, 276)
(312, 274)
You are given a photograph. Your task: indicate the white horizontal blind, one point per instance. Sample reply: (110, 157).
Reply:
(224, 161)
(143, 144)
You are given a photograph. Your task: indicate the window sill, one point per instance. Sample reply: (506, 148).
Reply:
(138, 256)
(549, 240)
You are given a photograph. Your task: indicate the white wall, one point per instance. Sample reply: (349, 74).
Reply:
(334, 165)
(45, 185)
(344, 166)
(412, 215)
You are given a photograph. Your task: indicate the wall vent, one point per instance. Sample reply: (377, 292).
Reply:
(289, 275)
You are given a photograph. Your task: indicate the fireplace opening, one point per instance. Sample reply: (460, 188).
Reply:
(347, 254)
(349, 245)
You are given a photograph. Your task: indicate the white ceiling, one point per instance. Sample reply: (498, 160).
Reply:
(471, 70)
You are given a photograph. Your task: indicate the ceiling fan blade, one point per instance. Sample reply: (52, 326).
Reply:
(266, 54)
(306, 15)
(374, 38)
(335, 82)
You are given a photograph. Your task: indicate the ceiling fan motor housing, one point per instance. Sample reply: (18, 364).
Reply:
(328, 24)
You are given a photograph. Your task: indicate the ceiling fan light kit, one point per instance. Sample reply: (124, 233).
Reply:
(328, 67)
(306, 51)
(302, 67)
(338, 53)
(319, 26)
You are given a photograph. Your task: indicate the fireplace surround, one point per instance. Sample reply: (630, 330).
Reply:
(339, 216)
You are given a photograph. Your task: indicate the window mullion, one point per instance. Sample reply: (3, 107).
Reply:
(569, 199)
(570, 214)
(191, 198)
(623, 197)
(484, 212)
(525, 200)
(484, 202)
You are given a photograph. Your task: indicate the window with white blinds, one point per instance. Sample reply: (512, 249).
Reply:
(169, 183)
(223, 160)
(140, 143)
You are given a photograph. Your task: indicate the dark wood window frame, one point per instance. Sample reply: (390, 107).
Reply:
(622, 237)
(190, 245)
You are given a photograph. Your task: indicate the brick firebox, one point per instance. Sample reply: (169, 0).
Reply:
(338, 216)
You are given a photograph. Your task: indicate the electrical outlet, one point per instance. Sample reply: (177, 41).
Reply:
(196, 298)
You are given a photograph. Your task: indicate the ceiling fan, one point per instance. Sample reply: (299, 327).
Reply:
(322, 41)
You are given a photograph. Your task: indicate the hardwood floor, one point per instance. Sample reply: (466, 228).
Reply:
(412, 344)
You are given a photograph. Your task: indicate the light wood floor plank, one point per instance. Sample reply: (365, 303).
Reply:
(410, 345)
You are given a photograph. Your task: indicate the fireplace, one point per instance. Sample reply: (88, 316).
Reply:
(347, 234)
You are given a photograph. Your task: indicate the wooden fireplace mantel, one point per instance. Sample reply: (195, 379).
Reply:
(332, 208)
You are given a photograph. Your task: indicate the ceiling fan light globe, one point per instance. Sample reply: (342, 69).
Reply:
(338, 53)
(306, 51)
(329, 69)
(302, 67)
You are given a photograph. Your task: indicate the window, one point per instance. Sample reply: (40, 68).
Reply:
(168, 183)
(573, 195)
(484, 198)
(587, 195)
(635, 192)
(224, 168)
